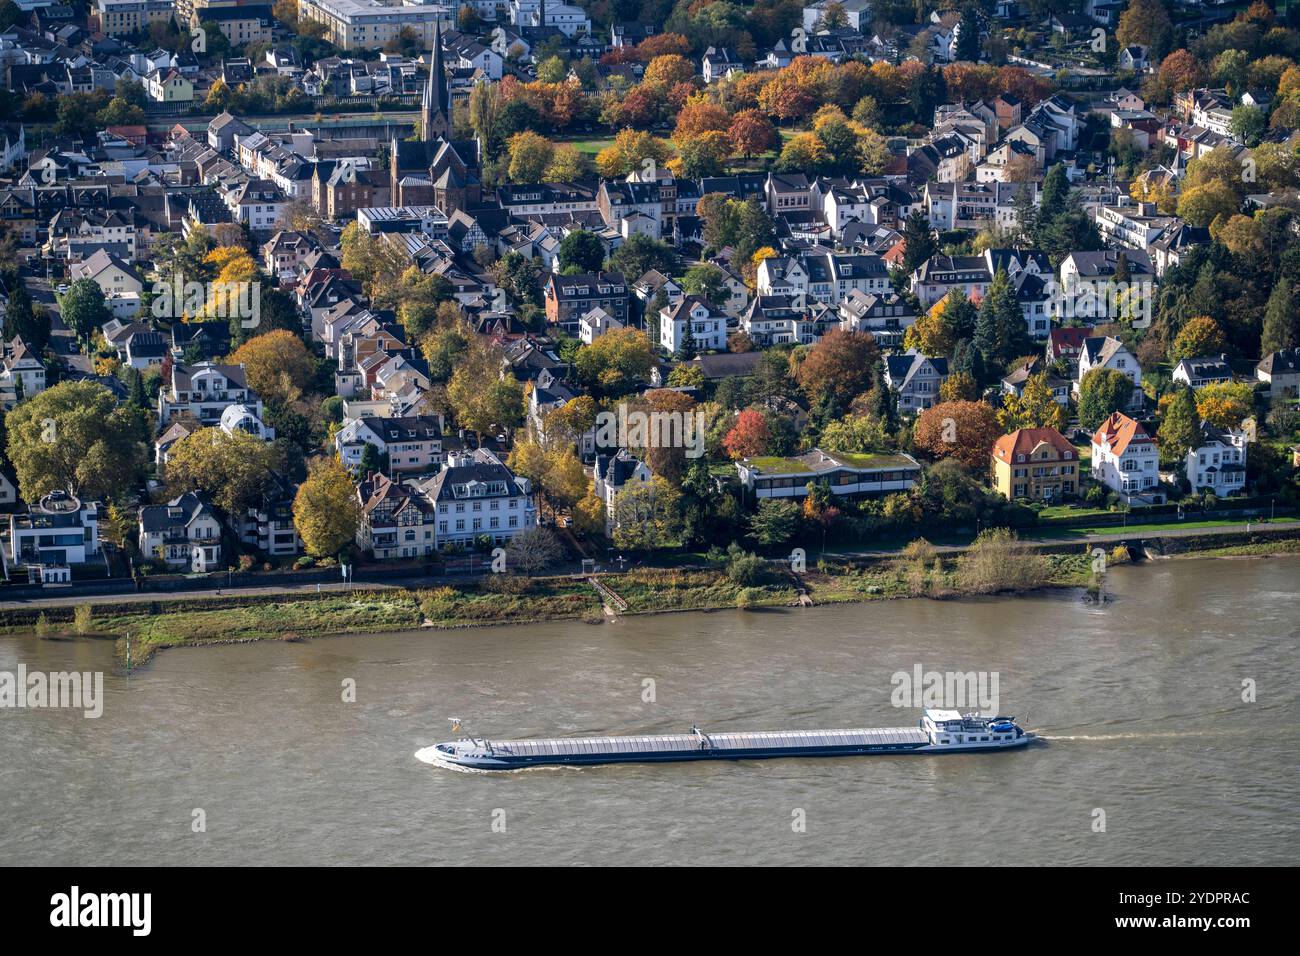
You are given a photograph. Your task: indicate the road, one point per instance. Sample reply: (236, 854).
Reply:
(1108, 537)
(62, 342)
(429, 582)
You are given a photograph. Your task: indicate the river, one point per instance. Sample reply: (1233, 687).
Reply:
(249, 754)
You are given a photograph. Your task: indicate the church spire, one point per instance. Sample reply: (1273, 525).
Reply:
(435, 107)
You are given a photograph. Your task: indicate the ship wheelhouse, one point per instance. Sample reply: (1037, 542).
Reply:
(951, 728)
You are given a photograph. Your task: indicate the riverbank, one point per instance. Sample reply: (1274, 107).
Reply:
(141, 629)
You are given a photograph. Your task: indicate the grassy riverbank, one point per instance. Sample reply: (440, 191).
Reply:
(1000, 567)
(229, 619)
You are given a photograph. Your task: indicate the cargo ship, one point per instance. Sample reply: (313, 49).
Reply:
(938, 731)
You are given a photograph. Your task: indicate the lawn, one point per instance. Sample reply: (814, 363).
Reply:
(591, 145)
(1070, 511)
(1139, 529)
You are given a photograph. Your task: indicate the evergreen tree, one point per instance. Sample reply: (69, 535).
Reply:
(1281, 319)
(1179, 430)
(966, 358)
(960, 314)
(1056, 194)
(918, 241)
(660, 301)
(882, 403)
(1026, 212)
(688, 348)
(968, 36)
(1000, 331)
(137, 395)
(1122, 273)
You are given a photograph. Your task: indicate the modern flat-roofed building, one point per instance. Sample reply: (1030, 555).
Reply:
(849, 476)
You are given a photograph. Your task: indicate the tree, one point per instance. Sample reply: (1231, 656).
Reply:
(1033, 408)
(752, 133)
(668, 70)
(919, 242)
(1225, 404)
(1199, 338)
(839, 366)
(965, 431)
(483, 397)
(854, 434)
(968, 36)
(529, 155)
(646, 515)
(25, 320)
(1281, 318)
(639, 254)
(663, 452)
(277, 366)
(697, 117)
(1201, 205)
(326, 513)
(1248, 124)
(75, 436)
(936, 332)
(1179, 426)
(583, 250)
(84, 309)
(630, 151)
(1000, 331)
(1101, 392)
(231, 469)
(567, 164)
(703, 155)
(707, 281)
(749, 436)
(1056, 193)
(686, 376)
(616, 361)
(533, 550)
(774, 522)
(556, 471)
(1145, 23)
(959, 387)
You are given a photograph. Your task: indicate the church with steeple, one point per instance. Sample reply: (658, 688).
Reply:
(435, 107)
(435, 170)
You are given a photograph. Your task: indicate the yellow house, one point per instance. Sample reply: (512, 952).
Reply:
(1035, 463)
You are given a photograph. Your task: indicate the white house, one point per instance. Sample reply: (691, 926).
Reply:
(1200, 372)
(708, 327)
(596, 323)
(413, 444)
(477, 496)
(916, 379)
(246, 418)
(184, 533)
(121, 283)
(1109, 352)
(614, 474)
(1126, 460)
(60, 530)
(22, 373)
(205, 391)
(1280, 371)
(1219, 464)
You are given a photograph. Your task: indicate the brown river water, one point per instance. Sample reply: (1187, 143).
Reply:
(1139, 701)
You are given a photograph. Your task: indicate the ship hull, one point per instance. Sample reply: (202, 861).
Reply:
(478, 761)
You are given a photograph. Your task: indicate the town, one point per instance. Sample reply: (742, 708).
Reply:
(528, 286)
